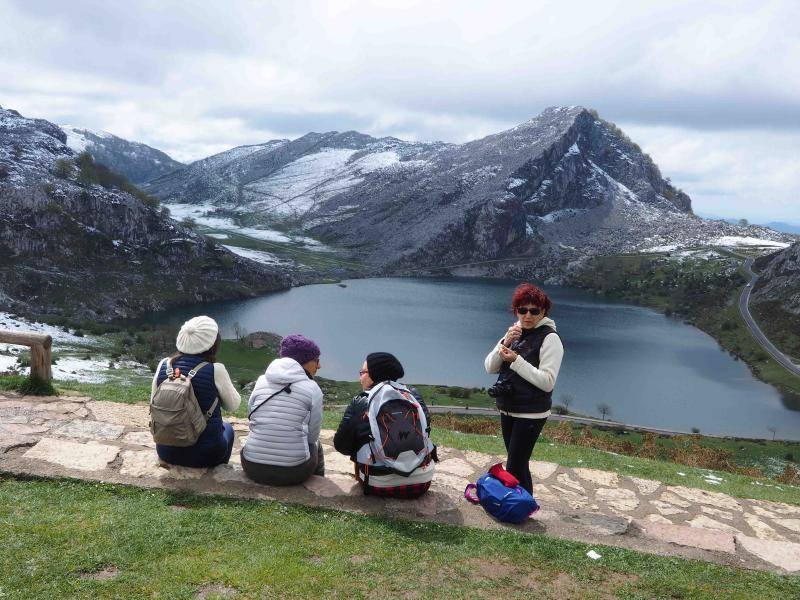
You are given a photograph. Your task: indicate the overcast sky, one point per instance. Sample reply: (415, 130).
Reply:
(710, 89)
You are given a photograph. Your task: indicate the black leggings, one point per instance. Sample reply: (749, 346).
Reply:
(519, 436)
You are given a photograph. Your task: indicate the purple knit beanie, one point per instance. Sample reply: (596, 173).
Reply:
(298, 347)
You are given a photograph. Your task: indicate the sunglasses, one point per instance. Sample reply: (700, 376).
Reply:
(524, 311)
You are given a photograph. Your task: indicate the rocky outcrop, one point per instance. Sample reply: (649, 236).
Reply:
(137, 162)
(536, 198)
(72, 248)
(779, 279)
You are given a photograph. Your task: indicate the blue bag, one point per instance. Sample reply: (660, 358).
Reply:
(507, 504)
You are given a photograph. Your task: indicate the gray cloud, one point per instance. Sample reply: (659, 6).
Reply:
(192, 79)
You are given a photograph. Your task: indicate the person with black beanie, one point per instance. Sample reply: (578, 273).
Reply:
(354, 432)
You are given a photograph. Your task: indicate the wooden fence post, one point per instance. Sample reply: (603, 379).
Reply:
(40, 345)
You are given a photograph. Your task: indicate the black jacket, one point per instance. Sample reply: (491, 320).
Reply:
(354, 431)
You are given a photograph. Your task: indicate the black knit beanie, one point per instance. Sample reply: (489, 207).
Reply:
(383, 366)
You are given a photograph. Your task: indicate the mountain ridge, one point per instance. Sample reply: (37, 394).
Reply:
(138, 162)
(554, 189)
(75, 246)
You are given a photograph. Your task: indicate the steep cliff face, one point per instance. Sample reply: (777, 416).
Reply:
(779, 279)
(73, 248)
(137, 162)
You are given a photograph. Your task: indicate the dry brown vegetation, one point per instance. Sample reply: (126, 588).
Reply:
(789, 476)
(684, 450)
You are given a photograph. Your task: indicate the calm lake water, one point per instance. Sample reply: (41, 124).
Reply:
(650, 369)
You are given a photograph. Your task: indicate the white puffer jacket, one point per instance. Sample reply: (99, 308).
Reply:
(282, 429)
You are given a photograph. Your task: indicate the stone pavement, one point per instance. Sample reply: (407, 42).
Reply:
(72, 436)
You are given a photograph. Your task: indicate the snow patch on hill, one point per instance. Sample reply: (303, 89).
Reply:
(733, 241)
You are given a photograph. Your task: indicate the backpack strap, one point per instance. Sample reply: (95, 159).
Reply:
(287, 388)
(196, 370)
(190, 375)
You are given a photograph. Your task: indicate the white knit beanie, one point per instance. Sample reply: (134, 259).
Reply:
(197, 335)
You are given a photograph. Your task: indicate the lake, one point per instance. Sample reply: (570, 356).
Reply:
(650, 369)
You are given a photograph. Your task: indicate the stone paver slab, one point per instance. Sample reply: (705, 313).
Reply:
(704, 522)
(604, 478)
(602, 524)
(139, 438)
(698, 496)
(9, 441)
(671, 498)
(761, 529)
(90, 430)
(479, 460)
(543, 494)
(338, 463)
(142, 463)
(666, 508)
(573, 499)
(790, 524)
(656, 518)
(645, 486)
(133, 415)
(565, 480)
(617, 498)
(779, 507)
(452, 482)
(229, 472)
(715, 512)
(761, 512)
(91, 456)
(785, 555)
(21, 429)
(542, 470)
(456, 466)
(332, 486)
(705, 539)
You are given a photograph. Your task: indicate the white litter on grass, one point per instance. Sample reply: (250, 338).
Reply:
(681, 474)
(712, 481)
(593, 555)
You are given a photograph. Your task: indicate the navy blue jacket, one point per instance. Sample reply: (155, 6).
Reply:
(211, 447)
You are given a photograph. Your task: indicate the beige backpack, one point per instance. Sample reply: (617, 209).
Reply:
(175, 415)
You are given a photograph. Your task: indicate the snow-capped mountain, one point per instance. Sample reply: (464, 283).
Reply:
(550, 191)
(74, 245)
(137, 162)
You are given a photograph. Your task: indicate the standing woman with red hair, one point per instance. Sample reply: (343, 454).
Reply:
(528, 359)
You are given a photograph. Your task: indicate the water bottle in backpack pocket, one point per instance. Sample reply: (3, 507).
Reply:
(506, 504)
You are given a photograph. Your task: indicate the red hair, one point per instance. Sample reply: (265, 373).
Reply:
(527, 293)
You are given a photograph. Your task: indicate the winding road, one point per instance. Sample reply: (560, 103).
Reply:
(744, 310)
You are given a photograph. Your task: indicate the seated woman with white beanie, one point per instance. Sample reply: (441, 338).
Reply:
(198, 342)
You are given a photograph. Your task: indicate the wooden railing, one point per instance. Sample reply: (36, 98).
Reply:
(40, 346)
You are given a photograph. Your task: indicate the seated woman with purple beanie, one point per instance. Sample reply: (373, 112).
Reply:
(285, 412)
